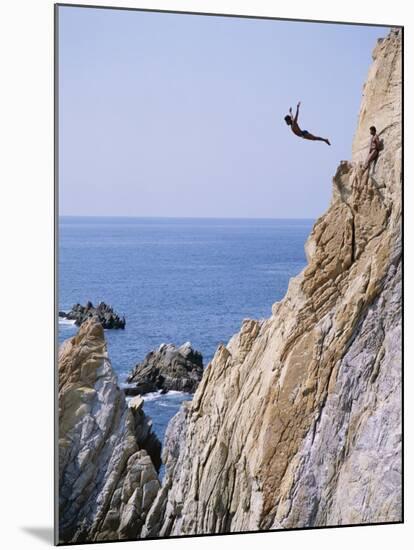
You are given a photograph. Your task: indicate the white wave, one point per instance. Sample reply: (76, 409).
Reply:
(158, 395)
(152, 395)
(67, 322)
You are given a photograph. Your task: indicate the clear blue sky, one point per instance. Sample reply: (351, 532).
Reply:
(182, 115)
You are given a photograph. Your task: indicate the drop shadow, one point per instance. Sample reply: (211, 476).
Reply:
(44, 534)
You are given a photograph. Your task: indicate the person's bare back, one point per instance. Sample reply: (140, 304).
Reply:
(292, 121)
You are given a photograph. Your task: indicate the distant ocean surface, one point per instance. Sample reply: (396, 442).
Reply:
(176, 280)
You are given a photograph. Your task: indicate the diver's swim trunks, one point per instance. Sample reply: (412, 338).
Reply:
(304, 133)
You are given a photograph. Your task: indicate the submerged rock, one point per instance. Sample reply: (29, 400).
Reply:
(107, 451)
(103, 313)
(297, 421)
(168, 368)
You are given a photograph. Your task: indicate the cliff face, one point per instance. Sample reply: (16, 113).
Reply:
(296, 421)
(107, 481)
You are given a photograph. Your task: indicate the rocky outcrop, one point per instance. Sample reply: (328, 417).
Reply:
(102, 313)
(144, 435)
(107, 480)
(297, 421)
(168, 368)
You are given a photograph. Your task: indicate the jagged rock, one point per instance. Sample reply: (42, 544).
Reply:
(106, 477)
(103, 313)
(297, 421)
(172, 454)
(168, 368)
(145, 437)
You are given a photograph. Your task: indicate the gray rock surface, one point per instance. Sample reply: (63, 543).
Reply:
(107, 480)
(102, 313)
(167, 368)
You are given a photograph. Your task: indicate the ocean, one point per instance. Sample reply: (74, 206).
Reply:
(175, 280)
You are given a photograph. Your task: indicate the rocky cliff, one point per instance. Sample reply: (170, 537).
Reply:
(297, 421)
(107, 480)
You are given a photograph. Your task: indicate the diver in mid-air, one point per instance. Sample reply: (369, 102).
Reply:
(292, 121)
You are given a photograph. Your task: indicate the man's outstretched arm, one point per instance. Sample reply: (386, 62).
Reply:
(297, 112)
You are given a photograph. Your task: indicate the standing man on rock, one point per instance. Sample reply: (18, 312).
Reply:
(374, 147)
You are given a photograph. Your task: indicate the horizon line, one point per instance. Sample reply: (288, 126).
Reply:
(180, 217)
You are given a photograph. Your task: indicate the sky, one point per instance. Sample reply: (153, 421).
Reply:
(173, 115)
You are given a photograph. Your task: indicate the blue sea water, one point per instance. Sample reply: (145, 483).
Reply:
(176, 280)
